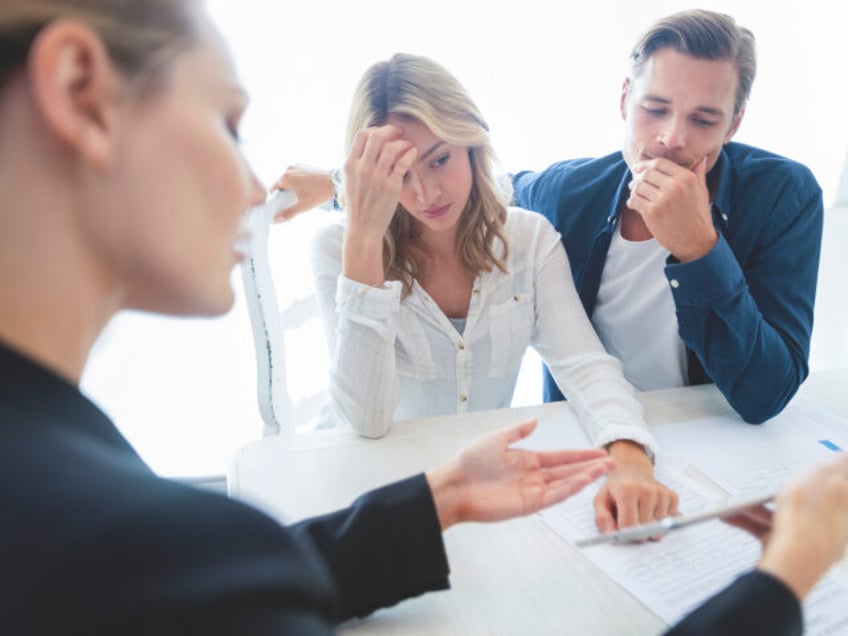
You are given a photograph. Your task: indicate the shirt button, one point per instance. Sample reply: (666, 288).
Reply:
(460, 346)
(517, 297)
(675, 283)
(463, 398)
(724, 216)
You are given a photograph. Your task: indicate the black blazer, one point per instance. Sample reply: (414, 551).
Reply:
(93, 542)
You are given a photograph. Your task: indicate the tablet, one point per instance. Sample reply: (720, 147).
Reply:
(662, 526)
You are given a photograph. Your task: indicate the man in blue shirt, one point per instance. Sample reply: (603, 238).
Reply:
(695, 257)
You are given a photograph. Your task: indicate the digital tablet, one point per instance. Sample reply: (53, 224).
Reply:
(662, 526)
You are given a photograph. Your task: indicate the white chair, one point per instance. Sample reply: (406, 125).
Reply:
(280, 413)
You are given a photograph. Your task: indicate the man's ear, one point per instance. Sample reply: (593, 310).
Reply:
(625, 91)
(75, 88)
(737, 121)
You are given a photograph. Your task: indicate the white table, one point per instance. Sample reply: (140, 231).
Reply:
(515, 577)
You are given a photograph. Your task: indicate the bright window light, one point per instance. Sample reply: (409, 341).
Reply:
(546, 75)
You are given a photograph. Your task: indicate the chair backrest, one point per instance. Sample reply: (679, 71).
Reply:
(280, 413)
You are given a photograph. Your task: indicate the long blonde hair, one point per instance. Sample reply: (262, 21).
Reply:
(416, 87)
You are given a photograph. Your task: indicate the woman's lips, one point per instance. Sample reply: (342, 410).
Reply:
(436, 212)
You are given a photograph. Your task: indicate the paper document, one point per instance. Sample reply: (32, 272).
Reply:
(674, 575)
(754, 458)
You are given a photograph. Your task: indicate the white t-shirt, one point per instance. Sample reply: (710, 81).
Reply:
(395, 359)
(635, 316)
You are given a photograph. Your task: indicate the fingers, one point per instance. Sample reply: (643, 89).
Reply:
(376, 139)
(667, 167)
(287, 180)
(377, 163)
(565, 471)
(395, 159)
(628, 504)
(374, 177)
(404, 162)
(700, 168)
(380, 147)
(633, 496)
(666, 503)
(620, 510)
(311, 186)
(518, 432)
(605, 511)
(756, 521)
(648, 183)
(557, 458)
(560, 489)
(758, 514)
(358, 145)
(810, 528)
(650, 178)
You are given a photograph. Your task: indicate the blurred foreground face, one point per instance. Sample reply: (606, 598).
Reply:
(180, 186)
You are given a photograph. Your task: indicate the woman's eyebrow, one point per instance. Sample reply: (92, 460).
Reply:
(432, 149)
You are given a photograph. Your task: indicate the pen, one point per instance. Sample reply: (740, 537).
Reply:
(667, 524)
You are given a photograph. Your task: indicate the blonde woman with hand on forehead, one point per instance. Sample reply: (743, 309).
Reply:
(432, 288)
(99, 99)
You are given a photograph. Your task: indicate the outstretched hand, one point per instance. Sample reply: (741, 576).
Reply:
(490, 481)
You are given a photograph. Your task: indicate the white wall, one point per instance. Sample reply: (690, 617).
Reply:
(547, 76)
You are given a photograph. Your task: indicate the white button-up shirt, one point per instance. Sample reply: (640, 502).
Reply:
(396, 359)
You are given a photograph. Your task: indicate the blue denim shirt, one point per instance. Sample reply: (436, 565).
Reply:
(745, 309)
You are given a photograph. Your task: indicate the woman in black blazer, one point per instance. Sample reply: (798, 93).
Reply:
(122, 186)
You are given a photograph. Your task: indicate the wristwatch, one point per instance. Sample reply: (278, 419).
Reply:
(337, 203)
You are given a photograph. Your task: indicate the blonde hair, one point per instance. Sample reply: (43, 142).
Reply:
(418, 88)
(140, 35)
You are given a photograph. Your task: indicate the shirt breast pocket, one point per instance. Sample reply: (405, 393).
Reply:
(413, 353)
(511, 328)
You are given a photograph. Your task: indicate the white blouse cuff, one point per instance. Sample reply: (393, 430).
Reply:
(355, 298)
(634, 434)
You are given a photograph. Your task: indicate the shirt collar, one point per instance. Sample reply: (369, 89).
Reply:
(621, 194)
